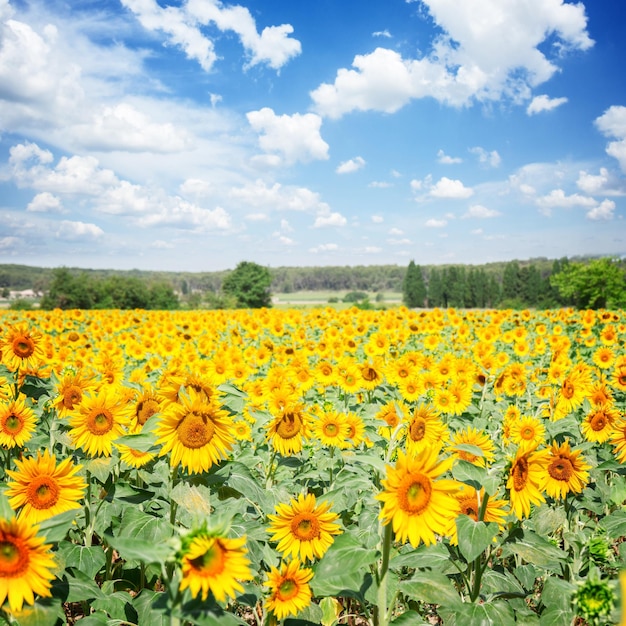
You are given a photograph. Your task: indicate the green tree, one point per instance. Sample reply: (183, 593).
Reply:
(68, 291)
(599, 284)
(250, 284)
(414, 287)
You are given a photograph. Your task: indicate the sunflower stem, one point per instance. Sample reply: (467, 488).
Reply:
(88, 509)
(477, 566)
(173, 505)
(269, 473)
(381, 617)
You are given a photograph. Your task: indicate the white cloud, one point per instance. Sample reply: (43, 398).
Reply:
(604, 211)
(78, 230)
(329, 218)
(373, 249)
(479, 211)
(445, 159)
(485, 157)
(324, 247)
(159, 244)
(485, 52)
(382, 33)
(257, 217)
(603, 183)
(612, 123)
(296, 137)
(188, 216)
(45, 202)
(544, 103)
(379, 184)
(395, 232)
(448, 188)
(182, 27)
(434, 223)
(378, 219)
(476, 231)
(257, 194)
(557, 199)
(352, 165)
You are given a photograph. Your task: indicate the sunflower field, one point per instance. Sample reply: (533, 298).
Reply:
(316, 466)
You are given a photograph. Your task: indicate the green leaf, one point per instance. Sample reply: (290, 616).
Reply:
(534, 549)
(55, 528)
(615, 524)
(501, 583)
(151, 607)
(6, 512)
(435, 557)
(132, 549)
(75, 586)
(409, 618)
(100, 467)
(331, 610)
(144, 442)
(95, 619)
(557, 593)
(117, 605)
(492, 613)
(556, 617)
(527, 575)
(241, 479)
(89, 560)
(470, 474)
(432, 588)
(474, 537)
(145, 527)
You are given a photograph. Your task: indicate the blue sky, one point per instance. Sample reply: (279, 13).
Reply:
(191, 135)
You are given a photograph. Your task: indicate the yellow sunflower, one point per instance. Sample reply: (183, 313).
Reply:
(196, 431)
(526, 479)
(42, 489)
(144, 406)
(332, 429)
(599, 423)
(566, 471)
(618, 440)
(470, 502)
(418, 503)
(21, 347)
(26, 564)
(289, 590)
(303, 528)
(100, 420)
(289, 429)
(214, 564)
(17, 423)
(527, 432)
(71, 390)
(356, 429)
(473, 437)
(132, 457)
(425, 430)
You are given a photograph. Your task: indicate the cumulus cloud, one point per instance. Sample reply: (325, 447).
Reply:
(380, 184)
(604, 211)
(329, 218)
(445, 159)
(277, 197)
(612, 123)
(182, 27)
(378, 219)
(434, 223)
(448, 188)
(544, 103)
(45, 202)
(351, 165)
(490, 158)
(324, 247)
(479, 211)
(603, 183)
(295, 137)
(395, 231)
(78, 230)
(558, 199)
(483, 53)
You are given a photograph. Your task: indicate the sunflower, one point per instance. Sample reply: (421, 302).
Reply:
(215, 564)
(526, 479)
(242, 430)
(603, 357)
(618, 439)
(289, 589)
(418, 503)
(17, 423)
(566, 471)
(21, 347)
(288, 430)
(473, 437)
(196, 431)
(145, 405)
(332, 429)
(573, 391)
(618, 377)
(42, 489)
(26, 564)
(101, 419)
(303, 528)
(527, 432)
(71, 390)
(599, 423)
(470, 502)
(356, 429)
(132, 457)
(424, 430)
(411, 387)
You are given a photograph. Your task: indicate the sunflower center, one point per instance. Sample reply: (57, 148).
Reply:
(527, 433)
(289, 425)
(417, 430)
(100, 421)
(561, 469)
(195, 431)
(468, 507)
(71, 396)
(598, 422)
(23, 347)
(330, 430)
(43, 493)
(520, 474)
(287, 590)
(414, 493)
(568, 389)
(305, 527)
(145, 410)
(212, 562)
(13, 558)
(13, 424)
(369, 374)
